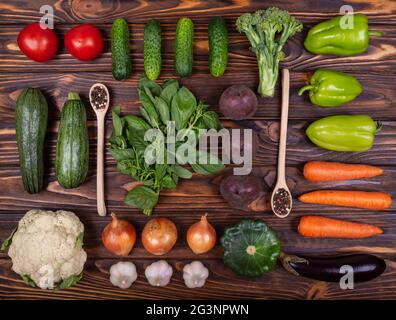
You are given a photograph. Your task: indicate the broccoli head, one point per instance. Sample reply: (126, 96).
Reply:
(268, 31)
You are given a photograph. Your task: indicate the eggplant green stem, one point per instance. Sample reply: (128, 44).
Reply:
(305, 88)
(375, 33)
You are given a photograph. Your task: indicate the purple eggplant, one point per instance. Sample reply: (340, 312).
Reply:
(365, 266)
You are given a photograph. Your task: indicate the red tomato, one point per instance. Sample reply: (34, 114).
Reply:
(84, 42)
(36, 43)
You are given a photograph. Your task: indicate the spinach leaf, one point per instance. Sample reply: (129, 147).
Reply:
(154, 88)
(182, 172)
(147, 116)
(182, 107)
(168, 182)
(117, 124)
(186, 99)
(122, 154)
(207, 169)
(199, 124)
(163, 109)
(117, 110)
(160, 170)
(175, 178)
(207, 163)
(7, 242)
(167, 82)
(176, 115)
(148, 109)
(136, 123)
(136, 139)
(186, 102)
(128, 167)
(124, 166)
(211, 120)
(149, 94)
(68, 282)
(143, 198)
(149, 183)
(118, 142)
(171, 86)
(156, 150)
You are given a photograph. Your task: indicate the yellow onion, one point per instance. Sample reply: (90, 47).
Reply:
(201, 236)
(119, 236)
(159, 236)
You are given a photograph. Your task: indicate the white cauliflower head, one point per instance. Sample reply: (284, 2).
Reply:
(47, 247)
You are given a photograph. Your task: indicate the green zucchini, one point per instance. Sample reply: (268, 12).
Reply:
(184, 41)
(152, 50)
(72, 148)
(218, 46)
(120, 59)
(31, 115)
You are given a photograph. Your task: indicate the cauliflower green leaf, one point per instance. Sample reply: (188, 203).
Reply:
(29, 281)
(69, 282)
(7, 242)
(80, 240)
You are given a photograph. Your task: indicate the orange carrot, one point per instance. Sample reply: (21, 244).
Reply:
(320, 227)
(356, 199)
(333, 171)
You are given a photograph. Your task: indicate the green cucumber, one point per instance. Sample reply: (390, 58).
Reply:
(152, 50)
(72, 148)
(120, 59)
(218, 46)
(31, 115)
(184, 41)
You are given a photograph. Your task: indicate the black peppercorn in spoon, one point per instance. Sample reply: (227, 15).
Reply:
(281, 200)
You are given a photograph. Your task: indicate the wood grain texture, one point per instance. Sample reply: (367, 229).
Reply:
(95, 11)
(300, 149)
(377, 100)
(95, 285)
(379, 56)
(376, 69)
(200, 192)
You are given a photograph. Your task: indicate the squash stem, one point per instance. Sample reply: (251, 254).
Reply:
(73, 96)
(251, 250)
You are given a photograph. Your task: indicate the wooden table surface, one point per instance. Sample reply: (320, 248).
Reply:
(376, 69)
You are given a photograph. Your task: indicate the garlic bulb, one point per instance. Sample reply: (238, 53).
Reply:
(123, 274)
(159, 273)
(195, 274)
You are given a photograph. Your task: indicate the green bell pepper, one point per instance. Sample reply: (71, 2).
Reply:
(329, 37)
(348, 133)
(330, 88)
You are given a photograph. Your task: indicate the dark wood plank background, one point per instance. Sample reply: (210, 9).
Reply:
(376, 69)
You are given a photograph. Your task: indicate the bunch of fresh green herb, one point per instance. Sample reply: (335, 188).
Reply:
(160, 105)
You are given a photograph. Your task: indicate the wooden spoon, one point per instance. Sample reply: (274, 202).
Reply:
(100, 109)
(281, 199)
